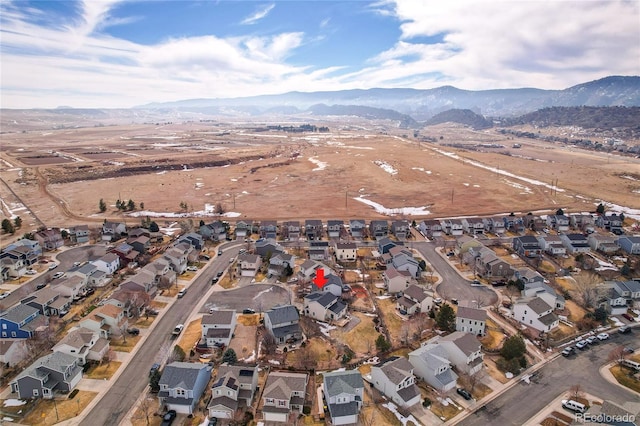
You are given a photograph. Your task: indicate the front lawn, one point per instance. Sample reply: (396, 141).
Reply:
(49, 412)
(625, 377)
(102, 371)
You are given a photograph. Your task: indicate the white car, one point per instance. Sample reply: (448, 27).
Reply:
(58, 275)
(31, 272)
(192, 268)
(581, 344)
(4, 295)
(53, 266)
(603, 336)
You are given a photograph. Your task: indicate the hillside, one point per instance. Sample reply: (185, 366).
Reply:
(462, 116)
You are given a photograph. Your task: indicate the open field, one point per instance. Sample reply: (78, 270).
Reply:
(60, 175)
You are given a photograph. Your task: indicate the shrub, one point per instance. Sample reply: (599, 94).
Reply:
(426, 403)
(306, 410)
(73, 393)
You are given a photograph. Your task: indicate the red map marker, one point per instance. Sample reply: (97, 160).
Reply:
(320, 280)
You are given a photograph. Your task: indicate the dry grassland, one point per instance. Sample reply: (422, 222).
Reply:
(265, 173)
(47, 412)
(361, 338)
(103, 371)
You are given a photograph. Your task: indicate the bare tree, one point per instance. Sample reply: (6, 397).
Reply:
(367, 417)
(587, 288)
(269, 343)
(109, 356)
(576, 391)
(617, 354)
(145, 410)
(511, 291)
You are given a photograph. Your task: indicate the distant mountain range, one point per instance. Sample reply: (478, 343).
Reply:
(419, 105)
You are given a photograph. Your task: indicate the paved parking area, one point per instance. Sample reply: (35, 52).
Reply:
(260, 297)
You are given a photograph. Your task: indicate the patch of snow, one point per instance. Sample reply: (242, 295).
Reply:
(274, 362)
(385, 296)
(325, 328)
(404, 420)
(386, 167)
(410, 211)
(12, 402)
(250, 358)
(321, 165)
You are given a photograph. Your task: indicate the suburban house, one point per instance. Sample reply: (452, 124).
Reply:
(552, 244)
(214, 231)
(113, 231)
(431, 364)
(313, 229)
(84, 344)
(612, 300)
(604, 243)
(152, 274)
(527, 275)
(400, 229)
(324, 306)
(396, 281)
(109, 263)
(107, 319)
(575, 243)
(21, 321)
(473, 225)
(534, 312)
(91, 274)
(488, 265)
(463, 350)
(558, 222)
(193, 239)
(49, 239)
(430, 228)
(404, 261)
(178, 257)
(357, 228)
(394, 378)
(611, 222)
(27, 250)
(471, 320)
(141, 243)
(543, 291)
(378, 228)
(534, 222)
(182, 384)
(344, 394)
(234, 389)
(527, 245)
(319, 250)
(630, 290)
(218, 327)
(47, 301)
(248, 265)
(72, 287)
(131, 298)
(13, 351)
(12, 267)
(584, 222)
(126, 253)
(280, 263)
(291, 230)
(494, 225)
(464, 243)
(335, 228)
(630, 245)
(284, 394)
(513, 223)
(415, 299)
(345, 252)
(79, 234)
(334, 284)
(283, 323)
(243, 229)
(385, 244)
(265, 247)
(56, 372)
(309, 267)
(452, 226)
(268, 229)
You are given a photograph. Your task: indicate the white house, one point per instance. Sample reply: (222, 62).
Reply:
(84, 344)
(345, 252)
(109, 263)
(217, 327)
(431, 364)
(463, 350)
(234, 389)
(248, 265)
(535, 313)
(471, 320)
(415, 299)
(396, 281)
(344, 394)
(324, 306)
(394, 378)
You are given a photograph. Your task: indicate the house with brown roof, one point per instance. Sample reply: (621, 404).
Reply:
(233, 390)
(415, 299)
(49, 239)
(108, 320)
(284, 395)
(395, 280)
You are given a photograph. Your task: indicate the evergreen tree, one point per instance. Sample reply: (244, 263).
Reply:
(229, 356)
(17, 222)
(153, 227)
(382, 344)
(513, 347)
(600, 209)
(7, 226)
(131, 205)
(446, 318)
(102, 206)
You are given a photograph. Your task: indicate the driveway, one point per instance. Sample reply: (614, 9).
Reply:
(260, 297)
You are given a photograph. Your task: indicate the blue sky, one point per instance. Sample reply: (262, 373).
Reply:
(121, 53)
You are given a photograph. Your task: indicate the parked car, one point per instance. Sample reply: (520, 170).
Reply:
(53, 266)
(232, 260)
(437, 300)
(248, 311)
(31, 272)
(214, 280)
(212, 421)
(41, 286)
(603, 336)
(155, 367)
(581, 344)
(219, 274)
(133, 331)
(624, 329)
(205, 257)
(629, 350)
(454, 301)
(58, 275)
(219, 252)
(4, 295)
(178, 329)
(192, 268)
(628, 317)
(568, 351)
(464, 393)
(168, 418)
(181, 293)
(592, 339)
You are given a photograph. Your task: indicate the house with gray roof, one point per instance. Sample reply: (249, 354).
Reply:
(284, 394)
(313, 229)
(431, 364)
(463, 350)
(471, 320)
(291, 230)
(13, 351)
(345, 252)
(233, 390)
(396, 281)
(535, 313)
(283, 323)
(214, 231)
(280, 263)
(545, 292)
(48, 301)
(394, 378)
(248, 265)
(324, 306)
(344, 392)
(604, 243)
(630, 244)
(218, 327)
(575, 243)
(378, 228)
(335, 228)
(20, 322)
(182, 385)
(56, 372)
(268, 229)
(266, 247)
(552, 244)
(357, 228)
(415, 299)
(630, 290)
(84, 344)
(243, 229)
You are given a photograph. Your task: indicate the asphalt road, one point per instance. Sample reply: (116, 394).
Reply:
(520, 403)
(453, 285)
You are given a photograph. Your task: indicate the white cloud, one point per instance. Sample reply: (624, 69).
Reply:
(259, 14)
